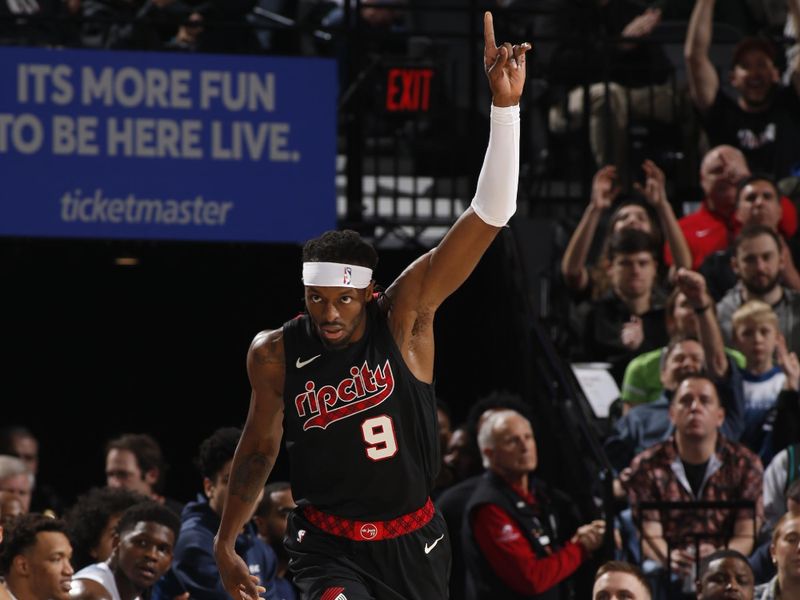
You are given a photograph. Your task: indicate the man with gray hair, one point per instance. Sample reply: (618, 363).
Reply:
(16, 480)
(514, 525)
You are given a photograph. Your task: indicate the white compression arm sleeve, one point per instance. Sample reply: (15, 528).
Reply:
(495, 198)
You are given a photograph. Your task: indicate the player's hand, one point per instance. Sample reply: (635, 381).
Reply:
(605, 187)
(236, 577)
(505, 66)
(693, 286)
(654, 189)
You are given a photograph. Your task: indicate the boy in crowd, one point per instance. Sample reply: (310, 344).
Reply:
(143, 545)
(757, 336)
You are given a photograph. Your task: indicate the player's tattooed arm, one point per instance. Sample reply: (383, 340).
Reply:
(250, 475)
(263, 430)
(255, 455)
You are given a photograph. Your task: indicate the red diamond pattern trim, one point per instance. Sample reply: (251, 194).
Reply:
(370, 531)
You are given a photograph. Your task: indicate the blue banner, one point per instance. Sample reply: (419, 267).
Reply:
(146, 145)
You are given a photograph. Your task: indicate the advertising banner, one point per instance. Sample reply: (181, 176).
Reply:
(146, 145)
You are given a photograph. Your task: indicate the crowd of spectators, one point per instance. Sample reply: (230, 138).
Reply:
(697, 323)
(227, 26)
(126, 540)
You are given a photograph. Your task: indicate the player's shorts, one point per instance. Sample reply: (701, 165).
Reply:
(407, 558)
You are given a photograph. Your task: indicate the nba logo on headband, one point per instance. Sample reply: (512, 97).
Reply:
(326, 274)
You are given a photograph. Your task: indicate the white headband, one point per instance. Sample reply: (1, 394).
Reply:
(327, 274)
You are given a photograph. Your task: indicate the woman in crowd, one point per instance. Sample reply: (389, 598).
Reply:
(784, 551)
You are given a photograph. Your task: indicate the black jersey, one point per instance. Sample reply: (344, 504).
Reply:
(360, 429)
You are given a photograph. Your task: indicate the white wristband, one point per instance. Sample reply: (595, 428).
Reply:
(495, 198)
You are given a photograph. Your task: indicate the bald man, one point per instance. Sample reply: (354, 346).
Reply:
(712, 226)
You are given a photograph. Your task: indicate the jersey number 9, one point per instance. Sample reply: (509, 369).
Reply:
(379, 436)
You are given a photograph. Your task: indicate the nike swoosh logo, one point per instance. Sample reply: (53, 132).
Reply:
(702, 232)
(433, 545)
(302, 363)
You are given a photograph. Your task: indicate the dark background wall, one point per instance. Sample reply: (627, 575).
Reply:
(91, 349)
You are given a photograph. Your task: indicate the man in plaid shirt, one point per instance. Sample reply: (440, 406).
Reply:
(696, 464)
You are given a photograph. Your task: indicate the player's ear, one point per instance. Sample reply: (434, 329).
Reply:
(369, 291)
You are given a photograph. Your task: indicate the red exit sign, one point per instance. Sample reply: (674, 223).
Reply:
(408, 89)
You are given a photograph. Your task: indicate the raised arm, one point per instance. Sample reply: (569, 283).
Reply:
(655, 191)
(428, 281)
(693, 285)
(573, 263)
(449, 264)
(255, 456)
(703, 78)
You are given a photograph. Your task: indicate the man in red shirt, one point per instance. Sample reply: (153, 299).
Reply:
(713, 226)
(513, 538)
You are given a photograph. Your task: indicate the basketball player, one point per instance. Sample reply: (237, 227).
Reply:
(349, 386)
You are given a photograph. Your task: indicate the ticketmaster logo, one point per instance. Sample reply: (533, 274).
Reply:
(97, 208)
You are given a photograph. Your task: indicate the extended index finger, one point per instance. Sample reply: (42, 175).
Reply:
(488, 31)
